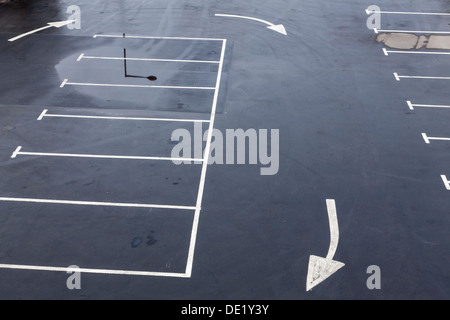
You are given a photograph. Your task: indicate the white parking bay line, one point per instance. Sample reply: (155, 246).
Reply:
(96, 203)
(97, 156)
(409, 31)
(407, 13)
(386, 52)
(190, 260)
(427, 139)
(398, 77)
(446, 182)
(94, 271)
(155, 38)
(82, 56)
(46, 114)
(66, 83)
(414, 105)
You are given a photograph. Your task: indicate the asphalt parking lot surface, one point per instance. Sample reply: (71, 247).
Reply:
(353, 204)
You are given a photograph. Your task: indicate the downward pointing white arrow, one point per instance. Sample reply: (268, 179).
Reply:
(57, 24)
(278, 28)
(320, 268)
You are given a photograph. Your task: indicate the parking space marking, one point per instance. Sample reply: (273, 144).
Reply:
(409, 31)
(427, 138)
(196, 209)
(46, 114)
(446, 182)
(408, 13)
(386, 52)
(412, 105)
(205, 163)
(398, 77)
(98, 156)
(83, 56)
(97, 203)
(95, 271)
(66, 83)
(155, 38)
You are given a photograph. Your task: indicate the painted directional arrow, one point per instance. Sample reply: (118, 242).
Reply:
(275, 27)
(320, 268)
(57, 24)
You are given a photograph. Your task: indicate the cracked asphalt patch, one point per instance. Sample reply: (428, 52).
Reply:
(409, 41)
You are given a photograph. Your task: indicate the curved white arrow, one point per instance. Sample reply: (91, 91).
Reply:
(275, 27)
(320, 268)
(57, 24)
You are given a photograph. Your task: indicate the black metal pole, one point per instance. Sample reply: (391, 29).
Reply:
(125, 62)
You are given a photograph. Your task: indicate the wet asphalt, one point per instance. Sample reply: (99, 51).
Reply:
(346, 133)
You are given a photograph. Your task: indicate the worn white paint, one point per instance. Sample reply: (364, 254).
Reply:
(57, 24)
(275, 27)
(320, 268)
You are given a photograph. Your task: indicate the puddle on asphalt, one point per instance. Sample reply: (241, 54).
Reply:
(127, 83)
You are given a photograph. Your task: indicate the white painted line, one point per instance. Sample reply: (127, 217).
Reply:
(16, 152)
(206, 156)
(94, 271)
(155, 38)
(42, 115)
(397, 77)
(97, 156)
(411, 105)
(386, 52)
(409, 13)
(28, 33)
(65, 83)
(45, 114)
(408, 31)
(446, 182)
(80, 57)
(147, 59)
(97, 203)
(427, 139)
